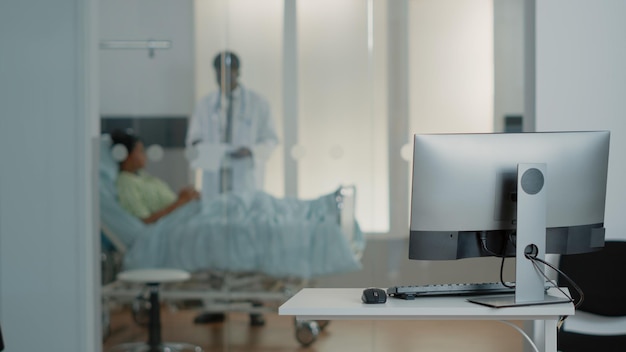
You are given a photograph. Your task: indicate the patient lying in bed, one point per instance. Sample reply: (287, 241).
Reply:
(143, 195)
(234, 232)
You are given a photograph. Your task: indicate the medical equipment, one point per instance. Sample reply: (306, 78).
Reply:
(234, 266)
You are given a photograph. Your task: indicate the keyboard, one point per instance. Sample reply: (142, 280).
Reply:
(485, 288)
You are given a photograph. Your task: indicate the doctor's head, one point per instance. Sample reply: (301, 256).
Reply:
(136, 156)
(226, 66)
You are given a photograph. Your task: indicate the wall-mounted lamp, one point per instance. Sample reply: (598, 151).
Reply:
(150, 45)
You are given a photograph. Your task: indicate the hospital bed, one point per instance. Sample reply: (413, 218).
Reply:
(233, 277)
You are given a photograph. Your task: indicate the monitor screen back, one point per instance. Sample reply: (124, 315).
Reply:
(467, 182)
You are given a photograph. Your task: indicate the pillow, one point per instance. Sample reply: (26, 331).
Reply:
(125, 226)
(109, 168)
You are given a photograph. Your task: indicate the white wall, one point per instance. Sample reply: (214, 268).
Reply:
(254, 31)
(451, 66)
(581, 82)
(508, 41)
(131, 82)
(48, 276)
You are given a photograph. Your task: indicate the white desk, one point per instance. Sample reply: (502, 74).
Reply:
(345, 304)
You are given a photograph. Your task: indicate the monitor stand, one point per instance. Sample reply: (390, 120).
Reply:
(509, 301)
(530, 239)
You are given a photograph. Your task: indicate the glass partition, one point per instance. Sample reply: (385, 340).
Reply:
(346, 83)
(341, 118)
(452, 66)
(254, 31)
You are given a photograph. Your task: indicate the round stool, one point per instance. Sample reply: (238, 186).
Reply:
(153, 278)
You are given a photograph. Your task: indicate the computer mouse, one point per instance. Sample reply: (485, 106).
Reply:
(374, 295)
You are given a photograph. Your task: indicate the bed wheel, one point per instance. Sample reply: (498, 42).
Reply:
(323, 324)
(306, 332)
(106, 323)
(257, 319)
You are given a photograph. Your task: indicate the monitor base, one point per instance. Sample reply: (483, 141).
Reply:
(509, 301)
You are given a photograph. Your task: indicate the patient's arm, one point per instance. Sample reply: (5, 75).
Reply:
(185, 196)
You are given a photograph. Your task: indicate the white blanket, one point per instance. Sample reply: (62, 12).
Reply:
(258, 233)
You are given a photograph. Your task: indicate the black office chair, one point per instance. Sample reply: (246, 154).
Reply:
(600, 322)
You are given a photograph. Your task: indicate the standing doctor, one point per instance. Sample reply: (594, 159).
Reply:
(232, 127)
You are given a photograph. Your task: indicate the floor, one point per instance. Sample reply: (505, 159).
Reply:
(278, 334)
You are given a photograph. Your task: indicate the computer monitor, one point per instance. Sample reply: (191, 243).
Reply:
(471, 193)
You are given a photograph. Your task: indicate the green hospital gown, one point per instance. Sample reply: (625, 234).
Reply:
(142, 194)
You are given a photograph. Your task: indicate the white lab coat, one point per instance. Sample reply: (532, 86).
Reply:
(252, 127)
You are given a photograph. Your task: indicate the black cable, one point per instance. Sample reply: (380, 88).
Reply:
(483, 242)
(534, 261)
(505, 245)
(574, 285)
(502, 274)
